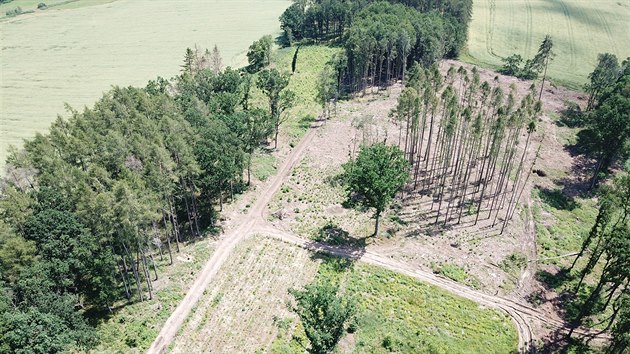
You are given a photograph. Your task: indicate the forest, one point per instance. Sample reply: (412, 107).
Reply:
(87, 207)
(381, 39)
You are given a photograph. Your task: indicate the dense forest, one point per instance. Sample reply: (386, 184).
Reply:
(381, 39)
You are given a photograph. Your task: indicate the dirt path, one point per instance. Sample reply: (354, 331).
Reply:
(245, 225)
(254, 222)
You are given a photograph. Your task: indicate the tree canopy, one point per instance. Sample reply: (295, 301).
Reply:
(323, 314)
(378, 172)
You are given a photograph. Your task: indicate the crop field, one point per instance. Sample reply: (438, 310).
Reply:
(73, 54)
(580, 30)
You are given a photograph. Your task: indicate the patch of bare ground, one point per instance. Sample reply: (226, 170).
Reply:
(237, 312)
(313, 197)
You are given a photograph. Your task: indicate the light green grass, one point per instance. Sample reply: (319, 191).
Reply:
(73, 55)
(580, 30)
(562, 223)
(398, 314)
(311, 61)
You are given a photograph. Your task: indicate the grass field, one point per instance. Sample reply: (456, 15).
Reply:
(580, 30)
(74, 54)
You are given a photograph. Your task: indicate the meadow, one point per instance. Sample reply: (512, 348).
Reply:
(580, 30)
(73, 53)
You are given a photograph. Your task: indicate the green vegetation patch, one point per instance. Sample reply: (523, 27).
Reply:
(561, 223)
(413, 317)
(264, 166)
(311, 60)
(456, 273)
(396, 313)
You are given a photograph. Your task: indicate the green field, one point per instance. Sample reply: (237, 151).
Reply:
(73, 53)
(398, 314)
(580, 30)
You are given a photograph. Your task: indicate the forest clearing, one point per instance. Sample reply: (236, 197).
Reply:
(352, 186)
(87, 49)
(580, 29)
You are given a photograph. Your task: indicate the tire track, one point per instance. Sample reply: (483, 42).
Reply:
(606, 25)
(572, 49)
(521, 314)
(254, 222)
(225, 248)
(490, 28)
(530, 28)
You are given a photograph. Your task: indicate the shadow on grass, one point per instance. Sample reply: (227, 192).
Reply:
(571, 116)
(557, 342)
(555, 281)
(555, 198)
(336, 247)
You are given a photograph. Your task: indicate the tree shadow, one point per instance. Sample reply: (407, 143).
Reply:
(571, 116)
(333, 235)
(332, 240)
(306, 121)
(557, 199)
(557, 342)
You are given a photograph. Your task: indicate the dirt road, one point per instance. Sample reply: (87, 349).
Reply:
(245, 226)
(254, 222)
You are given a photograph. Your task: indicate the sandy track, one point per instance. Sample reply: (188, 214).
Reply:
(254, 222)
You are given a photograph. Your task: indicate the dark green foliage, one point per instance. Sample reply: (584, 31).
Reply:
(294, 60)
(512, 65)
(376, 175)
(273, 84)
(606, 136)
(292, 21)
(603, 76)
(323, 314)
(607, 250)
(382, 38)
(50, 326)
(532, 67)
(259, 54)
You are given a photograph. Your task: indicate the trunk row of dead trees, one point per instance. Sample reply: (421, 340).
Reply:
(468, 144)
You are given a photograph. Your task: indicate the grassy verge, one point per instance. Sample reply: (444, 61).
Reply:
(561, 223)
(310, 62)
(396, 313)
(132, 327)
(456, 273)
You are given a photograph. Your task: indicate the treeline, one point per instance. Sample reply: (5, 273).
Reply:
(464, 141)
(86, 208)
(606, 253)
(606, 120)
(381, 39)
